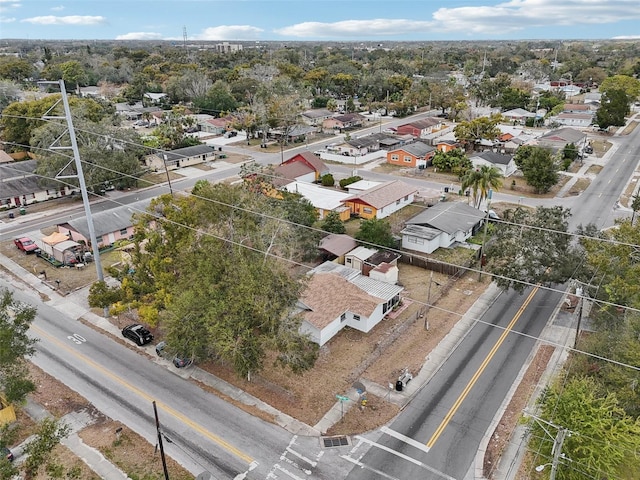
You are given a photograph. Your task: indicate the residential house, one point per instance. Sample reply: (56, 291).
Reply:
(108, 227)
(181, 157)
(19, 186)
(335, 246)
(383, 266)
(316, 116)
(500, 161)
(357, 257)
(340, 122)
(361, 186)
(572, 119)
(324, 200)
(155, 98)
(518, 115)
(337, 297)
(442, 225)
(217, 126)
(382, 200)
(446, 145)
(593, 98)
(421, 128)
(559, 138)
(295, 133)
(415, 155)
(226, 47)
(302, 167)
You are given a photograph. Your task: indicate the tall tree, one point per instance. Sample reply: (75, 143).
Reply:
(481, 180)
(15, 347)
(538, 166)
(614, 108)
(376, 232)
(332, 223)
(601, 439)
(629, 85)
(481, 128)
(531, 247)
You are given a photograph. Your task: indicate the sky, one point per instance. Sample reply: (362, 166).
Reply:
(319, 20)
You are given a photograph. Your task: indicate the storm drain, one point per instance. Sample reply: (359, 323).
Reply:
(335, 441)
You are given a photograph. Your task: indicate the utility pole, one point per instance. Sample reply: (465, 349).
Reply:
(164, 460)
(484, 235)
(79, 172)
(557, 451)
(579, 313)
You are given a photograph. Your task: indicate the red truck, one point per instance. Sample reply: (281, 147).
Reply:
(26, 245)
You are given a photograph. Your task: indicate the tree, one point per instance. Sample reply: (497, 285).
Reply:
(511, 98)
(629, 85)
(217, 100)
(481, 180)
(481, 128)
(332, 223)
(376, 232)
(601, 437)
(15, 347)
(15, 69)
(9, 93)
(39, 450)
(328, 180)
(635, 206)
(538, 166)
(613, 109)
(531, 247)
(454, 161)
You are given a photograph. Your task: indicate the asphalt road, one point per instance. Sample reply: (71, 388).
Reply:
(206, 432)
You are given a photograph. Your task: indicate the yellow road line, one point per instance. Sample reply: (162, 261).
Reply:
(481, 369)
(174, 413)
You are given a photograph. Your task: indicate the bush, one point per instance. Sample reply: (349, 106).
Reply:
(348, 181)
(328, 180)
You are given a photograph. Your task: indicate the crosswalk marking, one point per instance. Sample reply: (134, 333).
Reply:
(405, 439)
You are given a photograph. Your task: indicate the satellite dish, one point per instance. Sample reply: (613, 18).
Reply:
(204, 476)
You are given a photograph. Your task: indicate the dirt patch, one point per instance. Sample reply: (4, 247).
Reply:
(502, 435)
(578, 187)
(132, 453)
(630, 127)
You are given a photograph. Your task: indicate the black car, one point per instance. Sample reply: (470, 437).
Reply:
(6, 453)
(137, 333)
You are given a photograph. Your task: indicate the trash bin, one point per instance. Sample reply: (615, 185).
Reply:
(399, 386)
(11, 215)
(219, 149)
(23, 210)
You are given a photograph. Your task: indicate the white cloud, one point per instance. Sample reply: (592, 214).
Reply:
(627, 37)
(519, 14)
(355, 28)
(7, 19)
(229, 32)
(491, 20)
(74, 20)
(140, 36)
(59, 8)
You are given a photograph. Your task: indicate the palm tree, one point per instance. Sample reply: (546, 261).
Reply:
(481, 180)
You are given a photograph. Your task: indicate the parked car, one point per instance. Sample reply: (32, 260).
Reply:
(588, 149)
(390, 130)
(137, 333)
(179, 361)
(26, 245)
(6, 453)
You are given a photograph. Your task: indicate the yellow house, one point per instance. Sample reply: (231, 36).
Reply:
(381, 200)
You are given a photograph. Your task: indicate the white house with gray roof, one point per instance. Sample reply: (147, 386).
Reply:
(181, 157)
(500, 161)
(442, 225)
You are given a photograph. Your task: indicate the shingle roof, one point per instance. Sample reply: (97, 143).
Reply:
(494, 157)
(449, 217)
(567, 134)
(417, 149)
(187, 152)
(338, 244)
(385, 194)
(109, 221)
(423, 123)
(420, 231)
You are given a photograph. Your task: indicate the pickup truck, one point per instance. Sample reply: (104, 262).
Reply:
(26, 245)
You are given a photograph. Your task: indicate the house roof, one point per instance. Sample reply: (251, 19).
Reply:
(363, 185)
(337, 244)
(11, 170)
(320, 197)
(566, 135)
(312, 159)
(449, 217)
(329, 295)
(186, 152)
(349, 117)
(494, 157)
(422, 123)
(382, 256)
(575, 106)
(383, 290)
(338, 269)
(361, 252)
(385, 194)
(421, 231)
(109, 221)
(577, 116)
(5, 157)
(417, 149)
(518, 113)
(290, 171)
(317, 113)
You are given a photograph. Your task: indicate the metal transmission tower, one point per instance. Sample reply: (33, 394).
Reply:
(184, 37)
(79, 173)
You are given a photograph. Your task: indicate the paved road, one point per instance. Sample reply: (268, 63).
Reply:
(206, 432)
(439, 435)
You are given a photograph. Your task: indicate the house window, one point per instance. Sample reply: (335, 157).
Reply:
(384, 308)
(356, 317)
(123, 231)
(412, 240)
(408, 159)
(397, 202)
(343, 317)
(395, 157)
(406, 198)
(348, 259)
(367, 210)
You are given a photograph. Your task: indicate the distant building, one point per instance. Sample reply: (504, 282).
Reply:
(226, 47)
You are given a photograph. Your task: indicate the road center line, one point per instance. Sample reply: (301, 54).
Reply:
(174, 413)
(479, 371)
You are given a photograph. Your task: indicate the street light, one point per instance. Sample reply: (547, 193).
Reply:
(540, 468)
